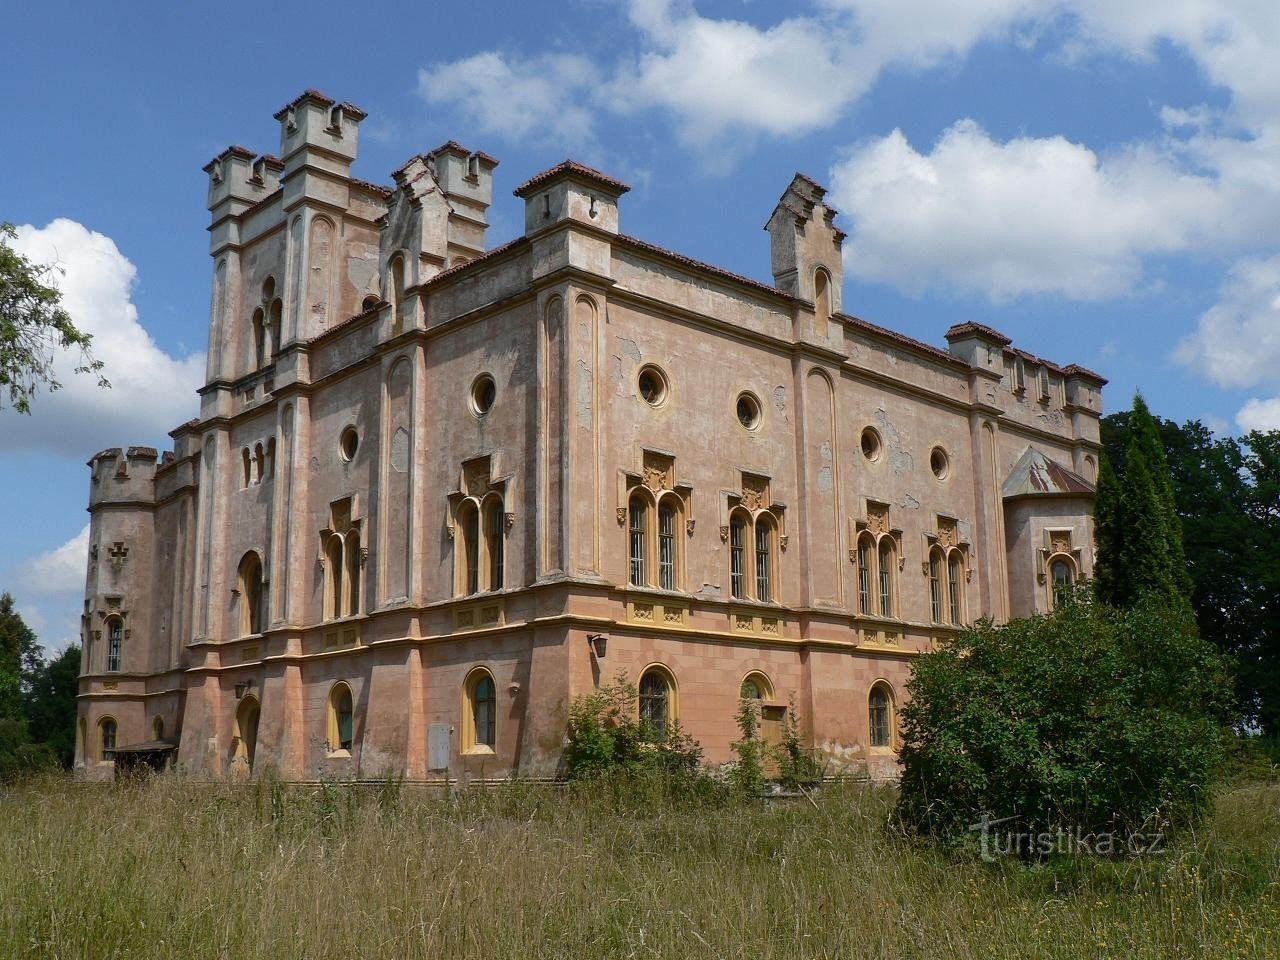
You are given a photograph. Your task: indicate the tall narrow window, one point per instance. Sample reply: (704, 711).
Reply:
(764, 561)
(864, 575)
(107, 737)
(953, 586)
(479, 712)
(397, 292)
(493, 531)
(935, 584)
(485, 711)
(341, 717)
(470, 524)
(276, 331)
(333, 581)
(1063, 579)
(655, 702)
(886, 578)
(252, 595)
(666, 547)
(880, 714)
(259, 339)
(737, 558)
(115, 644)
(821, 300)
(248, 468)
(271, 458)
(259, 463)
(638, 520)
(353, 573)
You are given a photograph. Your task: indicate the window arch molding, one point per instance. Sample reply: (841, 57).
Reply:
(1062, 572)
(658, 700)
(251, 594)
(479, 712)
(340, 719)
(878, 559)
(882, 716)
(248, 714)
(478, 524)
(108, 736)
(947, 568)
(655, 514)
(754, 531)
(114, 650)
(756, 685)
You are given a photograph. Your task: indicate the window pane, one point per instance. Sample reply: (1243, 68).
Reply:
(345, 721)
(115, 643)
(495, 545)
(864, 576)
(655, 697)
(879, 712)
(471, 543)
(737, 559)
(666, 547)
(485, 707)
(764, 558)
(953, 587)
(639, 570)
(108, 736)
(886, 579)
(935, 588)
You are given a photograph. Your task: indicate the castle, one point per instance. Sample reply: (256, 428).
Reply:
(436, 490)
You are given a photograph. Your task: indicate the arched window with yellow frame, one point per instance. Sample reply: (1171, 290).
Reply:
(340, 718)
(1062, 578)
(882, 717)
(479, 712)
(754, 555)
(657, 701)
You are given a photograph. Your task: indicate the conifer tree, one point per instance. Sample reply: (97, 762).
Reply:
(1139, 533)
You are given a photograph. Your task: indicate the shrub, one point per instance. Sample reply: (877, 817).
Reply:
(747, 775)
(606, 735)
(796, 767)
(1090, 718)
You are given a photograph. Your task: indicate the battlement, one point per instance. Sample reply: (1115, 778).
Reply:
(318, 131)
(122, 475)
(1027, 375)
(805, 243)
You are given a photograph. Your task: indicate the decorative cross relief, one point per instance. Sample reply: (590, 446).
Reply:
(118, 553)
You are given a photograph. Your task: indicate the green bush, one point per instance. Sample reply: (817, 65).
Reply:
(747, 774)
(607, 736)
(1090, 718)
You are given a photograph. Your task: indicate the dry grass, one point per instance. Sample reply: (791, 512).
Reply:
(188, 870)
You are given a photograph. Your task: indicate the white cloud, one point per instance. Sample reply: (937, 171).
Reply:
(1237, 341)
(151, 391)
(1259, 415)
(716, 75)
(1027, 216)
(60, 570)
(544, 98)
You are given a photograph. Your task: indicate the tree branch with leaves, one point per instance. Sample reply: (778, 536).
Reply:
(34, 327)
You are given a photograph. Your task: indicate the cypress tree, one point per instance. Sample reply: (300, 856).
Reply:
(1139, 533)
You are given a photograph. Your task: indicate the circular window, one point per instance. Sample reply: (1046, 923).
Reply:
(483, 393)
(939, 463)
(653, 385)
(748, 411)
(870, 444)
(349, 443)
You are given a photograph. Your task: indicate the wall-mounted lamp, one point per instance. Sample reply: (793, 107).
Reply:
(242, 688)
(598, 643)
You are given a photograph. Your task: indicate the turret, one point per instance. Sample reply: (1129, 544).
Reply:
(805, 246)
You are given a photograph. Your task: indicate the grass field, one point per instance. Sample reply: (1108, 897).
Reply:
(173, 868)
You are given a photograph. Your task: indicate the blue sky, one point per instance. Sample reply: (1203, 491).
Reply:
(1099, 180)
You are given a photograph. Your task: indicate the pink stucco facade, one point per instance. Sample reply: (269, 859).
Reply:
(420, 462)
